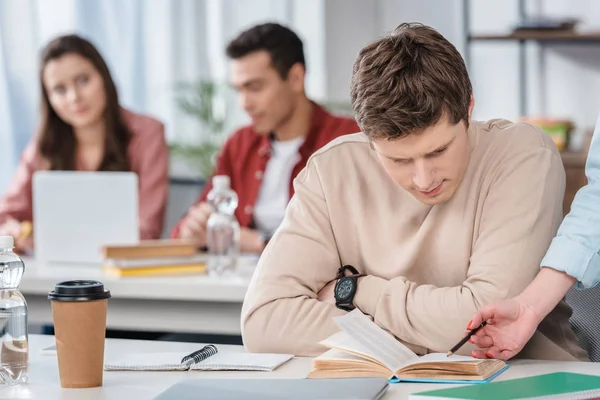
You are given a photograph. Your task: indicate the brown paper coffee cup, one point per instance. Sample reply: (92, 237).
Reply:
(80, 330)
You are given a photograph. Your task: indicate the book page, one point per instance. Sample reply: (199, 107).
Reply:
(339, 355)
(343, 341)
(374, 341)
(443, 357)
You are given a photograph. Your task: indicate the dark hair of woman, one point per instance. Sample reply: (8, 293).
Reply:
(56, 138)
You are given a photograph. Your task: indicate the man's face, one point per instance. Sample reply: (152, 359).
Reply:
(268, 99)
(431, 164)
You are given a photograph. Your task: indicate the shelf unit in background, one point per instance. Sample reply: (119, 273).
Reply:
(573, 161)
(542, 37)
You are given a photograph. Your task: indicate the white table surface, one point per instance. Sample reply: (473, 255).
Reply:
(185, 303)
(44, 379)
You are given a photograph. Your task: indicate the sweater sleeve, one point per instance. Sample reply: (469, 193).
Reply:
(281, 312)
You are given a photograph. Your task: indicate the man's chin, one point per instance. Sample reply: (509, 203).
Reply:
(262, 129)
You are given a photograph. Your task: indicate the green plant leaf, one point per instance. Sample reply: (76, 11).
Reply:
(200, 100)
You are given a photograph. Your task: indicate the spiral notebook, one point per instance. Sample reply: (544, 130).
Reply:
(206, 359)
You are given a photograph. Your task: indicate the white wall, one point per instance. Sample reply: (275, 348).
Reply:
(494, 65)
(350, 25)
(444, 15)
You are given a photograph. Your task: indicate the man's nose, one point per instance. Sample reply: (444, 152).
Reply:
(422, 175)
(245, 102)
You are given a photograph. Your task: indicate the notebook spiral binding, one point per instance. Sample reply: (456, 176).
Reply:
(200, 355)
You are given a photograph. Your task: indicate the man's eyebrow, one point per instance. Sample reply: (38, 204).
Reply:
(248, 82)
(427, 154)
(398, 158)
(441, 147)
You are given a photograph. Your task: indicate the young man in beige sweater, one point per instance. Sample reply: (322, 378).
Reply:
(438, 214)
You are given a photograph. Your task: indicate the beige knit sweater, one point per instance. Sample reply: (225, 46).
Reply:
(429, 267)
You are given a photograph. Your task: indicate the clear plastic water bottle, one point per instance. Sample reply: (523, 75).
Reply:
(223, 229)
(14, 354)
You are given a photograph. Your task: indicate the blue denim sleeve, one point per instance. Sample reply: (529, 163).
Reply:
(575, 248)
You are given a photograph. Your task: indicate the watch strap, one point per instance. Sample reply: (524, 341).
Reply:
(344, 268)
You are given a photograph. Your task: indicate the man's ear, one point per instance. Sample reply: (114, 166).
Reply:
(471, 106)
(296, 76)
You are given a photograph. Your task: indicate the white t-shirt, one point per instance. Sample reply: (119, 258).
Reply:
(274, 193)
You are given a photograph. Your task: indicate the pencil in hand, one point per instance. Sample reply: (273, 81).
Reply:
(465, 339)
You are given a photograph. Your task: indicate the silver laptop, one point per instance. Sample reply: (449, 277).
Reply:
(271, 389)
(76, 213)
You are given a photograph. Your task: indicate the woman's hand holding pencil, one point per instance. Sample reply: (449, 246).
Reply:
(512, 322)
(509, 325)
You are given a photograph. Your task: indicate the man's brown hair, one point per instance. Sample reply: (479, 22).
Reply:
(406, 81)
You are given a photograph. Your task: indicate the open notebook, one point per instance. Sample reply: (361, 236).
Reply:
(363, 349)
(203, 361)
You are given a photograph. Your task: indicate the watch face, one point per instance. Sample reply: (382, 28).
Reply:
(344, 289)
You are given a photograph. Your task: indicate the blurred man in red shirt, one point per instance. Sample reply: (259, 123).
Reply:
(261, 160)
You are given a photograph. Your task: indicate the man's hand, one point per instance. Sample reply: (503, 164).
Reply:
(510, 325)
(326, 294)
(251, 241)
(193, 225)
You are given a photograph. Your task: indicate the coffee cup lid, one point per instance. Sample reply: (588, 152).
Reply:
(79, 290)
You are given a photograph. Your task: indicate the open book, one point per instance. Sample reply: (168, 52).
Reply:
(363, 349)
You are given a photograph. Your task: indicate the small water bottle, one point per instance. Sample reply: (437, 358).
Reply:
(14, 354)
(223, 229)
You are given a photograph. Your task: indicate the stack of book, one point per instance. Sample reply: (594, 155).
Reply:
(154, 257)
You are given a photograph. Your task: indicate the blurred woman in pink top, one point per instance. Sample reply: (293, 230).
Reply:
(83, 127)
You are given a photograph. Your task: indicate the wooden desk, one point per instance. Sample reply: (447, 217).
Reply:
(44, 381)
(190, 304)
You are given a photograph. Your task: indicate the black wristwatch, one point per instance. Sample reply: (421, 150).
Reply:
(345, 288)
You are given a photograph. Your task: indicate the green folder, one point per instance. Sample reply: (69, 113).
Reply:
(559, 385)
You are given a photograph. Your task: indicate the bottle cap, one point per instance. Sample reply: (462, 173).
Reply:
(79, 291)
(7, 242)
(221, 181)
